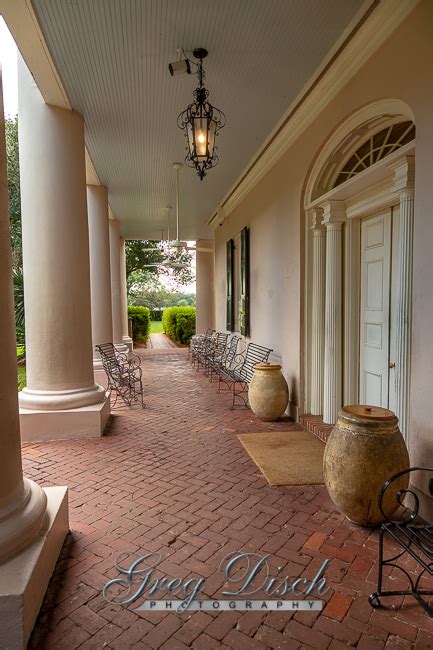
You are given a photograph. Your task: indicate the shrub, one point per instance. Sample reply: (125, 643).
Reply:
(140, 317)
(21, 377)
(179, 323)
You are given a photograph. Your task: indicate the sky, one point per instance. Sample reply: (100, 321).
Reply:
(8, 55)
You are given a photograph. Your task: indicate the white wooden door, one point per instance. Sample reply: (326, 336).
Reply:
(375, 309)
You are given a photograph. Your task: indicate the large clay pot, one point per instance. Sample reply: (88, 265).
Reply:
(268, 394)
(365, 448)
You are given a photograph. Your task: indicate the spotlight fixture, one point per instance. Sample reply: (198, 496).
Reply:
(181, 66)
(201, 123)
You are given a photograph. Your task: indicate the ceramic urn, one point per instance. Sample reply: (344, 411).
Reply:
(364, 450)
(268, 393)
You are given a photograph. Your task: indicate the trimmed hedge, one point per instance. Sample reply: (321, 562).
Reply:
(179, 323)
(140, 317)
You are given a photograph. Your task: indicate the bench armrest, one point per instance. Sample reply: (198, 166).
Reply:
(412, 510)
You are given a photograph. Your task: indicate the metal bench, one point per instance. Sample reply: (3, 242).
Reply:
(412, 536)
(195, 343)
(204, 346)
(226, 358)
(239, 375)
(124, 374)
(215, 352)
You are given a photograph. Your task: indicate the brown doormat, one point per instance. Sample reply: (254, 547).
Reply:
(286, 457)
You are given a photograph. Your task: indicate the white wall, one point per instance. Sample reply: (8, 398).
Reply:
(401, 68)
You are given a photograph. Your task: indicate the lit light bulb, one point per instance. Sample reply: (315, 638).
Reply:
(201, 143)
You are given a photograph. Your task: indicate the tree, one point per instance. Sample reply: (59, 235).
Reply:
(13, 172)
(162, 298)
(142, 253)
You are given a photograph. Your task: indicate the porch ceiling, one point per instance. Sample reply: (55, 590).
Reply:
(112, 57)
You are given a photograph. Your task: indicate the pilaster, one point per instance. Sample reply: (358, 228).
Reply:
(334, 215)
(318, 311)
(404, 183)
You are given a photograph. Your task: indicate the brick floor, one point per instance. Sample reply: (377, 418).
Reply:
(175, 479)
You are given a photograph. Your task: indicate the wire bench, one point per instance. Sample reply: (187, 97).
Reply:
(215, 353)
(124, 374)
(225, 358)
(196, 342)
(412, 536)
(202, 347)
(238, 376)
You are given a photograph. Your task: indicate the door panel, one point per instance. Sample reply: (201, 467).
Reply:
(374, 312)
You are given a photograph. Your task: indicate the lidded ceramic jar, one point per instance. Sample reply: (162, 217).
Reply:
(268, 393)
(365, 449)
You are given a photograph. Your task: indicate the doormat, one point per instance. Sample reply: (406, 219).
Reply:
(286, 457)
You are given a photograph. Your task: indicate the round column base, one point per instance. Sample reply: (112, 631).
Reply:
(53, 400)
(21, 520)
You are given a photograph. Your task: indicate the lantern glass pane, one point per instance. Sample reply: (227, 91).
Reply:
(201, 136)
(190, 134)
(211, 137)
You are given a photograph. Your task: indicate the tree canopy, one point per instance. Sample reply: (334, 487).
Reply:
(142, 277)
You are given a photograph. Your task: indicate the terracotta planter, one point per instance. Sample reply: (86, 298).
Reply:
(365, 448)
(268, 394)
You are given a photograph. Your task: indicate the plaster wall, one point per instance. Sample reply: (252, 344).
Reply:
(205, 286)
(401, 68)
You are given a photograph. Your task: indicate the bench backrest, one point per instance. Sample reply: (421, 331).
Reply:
(231, 349)
(110, 361)
(220, 344)
(253, 354)
(209, 342)
(107, 351)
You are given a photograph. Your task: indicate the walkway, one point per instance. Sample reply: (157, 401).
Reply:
(175, 479)
(161, 341)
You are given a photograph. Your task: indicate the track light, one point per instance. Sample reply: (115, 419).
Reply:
(181, 66)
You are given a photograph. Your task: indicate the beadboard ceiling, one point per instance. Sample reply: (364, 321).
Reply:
(112, 57)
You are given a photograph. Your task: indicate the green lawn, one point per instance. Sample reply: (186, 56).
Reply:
(21, 377)
(156, 327)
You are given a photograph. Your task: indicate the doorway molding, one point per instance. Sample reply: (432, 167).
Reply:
(384, 184)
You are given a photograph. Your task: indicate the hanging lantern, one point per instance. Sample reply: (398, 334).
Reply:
(201, 123)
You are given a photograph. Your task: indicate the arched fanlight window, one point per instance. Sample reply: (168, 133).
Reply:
(377, 146)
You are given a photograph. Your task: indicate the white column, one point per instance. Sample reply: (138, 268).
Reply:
(100, 278)
(404, 182)
(351, 291)
(22, 502)
(127, 340)
(116, 302)
(333, 218)
(56, 255)
(33, 522)
(205, 285)
(318, 313)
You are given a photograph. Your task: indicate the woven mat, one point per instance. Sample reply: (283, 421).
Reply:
(286, 457)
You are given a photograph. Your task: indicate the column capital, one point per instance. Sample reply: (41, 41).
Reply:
(334, 214)
(315, 215)
(404, 174)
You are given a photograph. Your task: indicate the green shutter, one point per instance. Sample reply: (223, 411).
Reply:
(230, 312)
(244, 302)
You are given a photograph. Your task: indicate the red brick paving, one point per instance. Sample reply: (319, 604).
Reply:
(174, 478)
